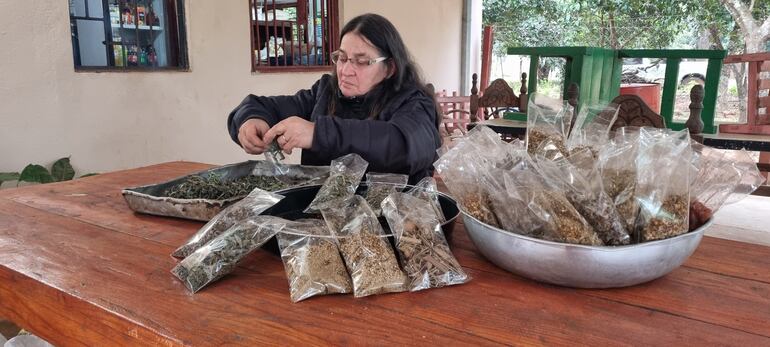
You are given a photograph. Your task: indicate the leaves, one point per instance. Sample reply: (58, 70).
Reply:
(35, 174)
(62, 170)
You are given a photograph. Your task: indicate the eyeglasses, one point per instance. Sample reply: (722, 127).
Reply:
(338, 58)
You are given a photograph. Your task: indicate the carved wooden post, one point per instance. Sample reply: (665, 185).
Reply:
(694, 122)
(523, 98)
(474, 98)
(573, 94)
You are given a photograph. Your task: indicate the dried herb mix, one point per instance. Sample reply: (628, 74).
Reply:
(312, 262)
(253, 204)
(214, 187)
(345, 174)
(620, 186)
(380, 185)
(567, 225)
(535, 137)
(671, 220)
(220, 256)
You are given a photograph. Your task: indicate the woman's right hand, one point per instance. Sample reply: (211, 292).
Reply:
(250, 135)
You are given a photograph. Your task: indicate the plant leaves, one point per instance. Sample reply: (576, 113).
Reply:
(62, 170)
(36, 174)
(8, 176)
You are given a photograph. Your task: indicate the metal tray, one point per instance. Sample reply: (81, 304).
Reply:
(149, 199)
(582, 266)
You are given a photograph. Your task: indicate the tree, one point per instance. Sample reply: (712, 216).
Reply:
(756, 31)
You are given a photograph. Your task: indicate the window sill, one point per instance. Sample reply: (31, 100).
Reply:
(279, 69)
(131, 69)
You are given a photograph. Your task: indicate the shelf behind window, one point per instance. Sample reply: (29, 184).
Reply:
(141, 27)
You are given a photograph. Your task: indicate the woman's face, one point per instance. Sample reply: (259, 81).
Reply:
(357, 79)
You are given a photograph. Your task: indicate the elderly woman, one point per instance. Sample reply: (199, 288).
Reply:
(374, 104)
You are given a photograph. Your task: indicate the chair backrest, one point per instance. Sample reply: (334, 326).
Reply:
(497, 99)
(635, 112)
(455, 111)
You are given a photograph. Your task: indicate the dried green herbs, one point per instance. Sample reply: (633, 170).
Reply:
(214, 187)
(344, 176)
(380, 185)
(274, 152)
(253, 204)
(425, 253)
(565, 223)
(220, 256)
(670, 220)
(369, 257)
(312, 261)
(620, 186)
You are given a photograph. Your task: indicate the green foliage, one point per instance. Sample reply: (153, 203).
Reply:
(61, 170)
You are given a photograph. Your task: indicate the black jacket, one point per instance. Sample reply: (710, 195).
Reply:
(402, 139)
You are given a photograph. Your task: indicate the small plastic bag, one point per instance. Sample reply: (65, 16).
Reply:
(380, 185)
(663, 187)
(219, 256)
(424, 251)
(721, 174)
(312, 260)
(618, 169)
(370, 260)
(274, 156)
(592, 128)
(427, 190)
(255, 203)
(551, 216)
(344, 177)
(548, 122)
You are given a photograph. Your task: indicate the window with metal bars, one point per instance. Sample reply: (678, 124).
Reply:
(128, 35)
(293, 35)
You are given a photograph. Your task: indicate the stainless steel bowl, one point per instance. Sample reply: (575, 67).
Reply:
(578, 265)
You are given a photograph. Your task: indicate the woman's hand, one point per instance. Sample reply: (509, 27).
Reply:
(292, 132)
(251, 135)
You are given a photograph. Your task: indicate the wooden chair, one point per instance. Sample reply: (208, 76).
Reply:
(497, 99)
(455, 111)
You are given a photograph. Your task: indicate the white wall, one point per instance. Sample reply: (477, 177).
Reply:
(109, 121)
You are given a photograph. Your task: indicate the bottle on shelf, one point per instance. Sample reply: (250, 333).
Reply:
(133, 58)
(143, 57)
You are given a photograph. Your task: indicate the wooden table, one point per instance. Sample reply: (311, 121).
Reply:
(77, 267)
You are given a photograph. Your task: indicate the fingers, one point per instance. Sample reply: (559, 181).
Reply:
(278, 130)
(248, 136)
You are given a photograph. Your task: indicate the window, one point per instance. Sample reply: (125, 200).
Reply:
(128, 35)
(293, 35)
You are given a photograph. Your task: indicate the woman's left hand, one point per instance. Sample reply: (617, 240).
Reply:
(292, 132)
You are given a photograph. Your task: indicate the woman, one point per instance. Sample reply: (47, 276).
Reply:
(374, 104)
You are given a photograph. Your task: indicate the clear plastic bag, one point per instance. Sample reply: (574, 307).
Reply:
(427, 190)
(312, 260)
(424, 251)
(380, 185)
(663, 187)
(344, 177)
(618, 170)
(255, 203)
(370, 259)
(219, 256)
(548, 123)
(551, 216)
(720, 174)
(592, 128)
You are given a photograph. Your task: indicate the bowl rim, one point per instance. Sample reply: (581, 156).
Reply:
(621, 248)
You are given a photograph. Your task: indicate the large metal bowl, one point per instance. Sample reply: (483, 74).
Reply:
(578, 265)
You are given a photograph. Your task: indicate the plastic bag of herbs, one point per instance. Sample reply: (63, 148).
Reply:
(663, 186)
(427, 190)
(722, 177)
(420, 242)
(592, 128)
(550, 215)
(312, 260)
(618, 170)
(220, 256)
(253, 204)
(380, 185)
(344, 176)
(579, 177)
(547, 119)
(370, 259)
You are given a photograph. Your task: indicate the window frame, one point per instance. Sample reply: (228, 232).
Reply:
(177, 31)
(332, 31)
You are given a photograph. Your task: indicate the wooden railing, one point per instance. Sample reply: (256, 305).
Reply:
(756, 123)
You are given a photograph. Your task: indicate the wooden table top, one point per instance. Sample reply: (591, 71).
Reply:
(77, 267)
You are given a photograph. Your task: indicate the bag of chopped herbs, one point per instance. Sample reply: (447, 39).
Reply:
(255, 203)
(592, 127)
(380, 185)
(427, 190)
(548, 123)
(721, 174)
(219, 256)
(424, 251)
(312, 260)
(663, 186)
(345, 175)
(617, 162)
(550, 215)
(578, 176)
(370, 260)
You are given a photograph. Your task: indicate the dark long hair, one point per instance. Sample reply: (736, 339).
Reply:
(381, 33)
